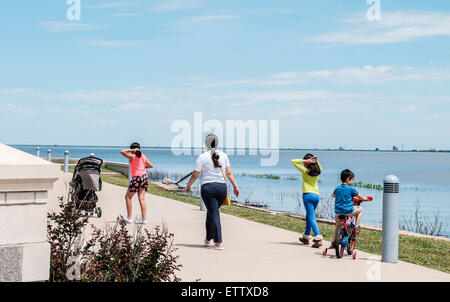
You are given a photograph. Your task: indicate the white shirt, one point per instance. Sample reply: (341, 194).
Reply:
(205, 166)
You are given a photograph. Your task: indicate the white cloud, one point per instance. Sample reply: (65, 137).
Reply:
(172, 5)
(106, 123)
(114, 4)
(17, 110)
(54, 26)
(272, 11)
(352, 74)
(114, 43)
(210, 18)
(124, 15)
(394, 27)
(135, 106)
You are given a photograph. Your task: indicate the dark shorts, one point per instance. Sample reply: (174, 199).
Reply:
(138, 182)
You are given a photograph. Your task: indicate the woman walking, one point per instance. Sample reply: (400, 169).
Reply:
(211, 164)
(310, 169)
(139, 181)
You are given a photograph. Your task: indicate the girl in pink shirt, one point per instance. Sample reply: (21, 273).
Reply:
(139, 180)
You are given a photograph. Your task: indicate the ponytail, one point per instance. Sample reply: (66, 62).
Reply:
(136, 146)
(215, 157)
(313, 169)
(211, 142)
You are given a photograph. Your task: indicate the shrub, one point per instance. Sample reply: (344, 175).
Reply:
(112, 254)
(64, 233)
(115, 255)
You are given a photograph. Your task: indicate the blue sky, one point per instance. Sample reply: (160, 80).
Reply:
(128, 69)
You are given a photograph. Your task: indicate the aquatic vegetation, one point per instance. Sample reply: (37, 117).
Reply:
(418, 223)
(360, 184)
(269, 176)
(265, 176)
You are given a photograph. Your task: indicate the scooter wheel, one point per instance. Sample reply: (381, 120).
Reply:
(325, 252)
(354, 254)
(99, 212)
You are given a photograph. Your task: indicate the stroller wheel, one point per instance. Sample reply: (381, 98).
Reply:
(99, 212)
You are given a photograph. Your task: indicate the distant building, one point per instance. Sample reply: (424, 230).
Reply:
(377, 149)
(394, 148)
(341, 148)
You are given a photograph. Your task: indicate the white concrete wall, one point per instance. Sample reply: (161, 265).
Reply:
(24, 183)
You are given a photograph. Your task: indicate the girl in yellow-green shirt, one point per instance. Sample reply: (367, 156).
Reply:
(310, 169)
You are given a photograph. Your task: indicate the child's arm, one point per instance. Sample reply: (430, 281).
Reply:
(126, 153)
(298, 165)
(148, 164)
(362, 198)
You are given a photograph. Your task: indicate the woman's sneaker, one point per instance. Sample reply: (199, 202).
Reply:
(140, 221)
(304, 239)
(207, 243)
(317, 241)
(127, 220)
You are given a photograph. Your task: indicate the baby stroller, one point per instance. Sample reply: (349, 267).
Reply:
(85, 182)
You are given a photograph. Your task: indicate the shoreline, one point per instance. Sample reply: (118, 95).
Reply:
(266, 149)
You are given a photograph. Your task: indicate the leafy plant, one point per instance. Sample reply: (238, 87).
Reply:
(112, 254)
(115, 255)
(64, 232)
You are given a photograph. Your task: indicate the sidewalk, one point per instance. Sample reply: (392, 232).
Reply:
(253, 251)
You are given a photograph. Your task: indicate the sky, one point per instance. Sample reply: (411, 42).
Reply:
(127, 70)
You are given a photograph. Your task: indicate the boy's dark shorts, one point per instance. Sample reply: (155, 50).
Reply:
(138, 182)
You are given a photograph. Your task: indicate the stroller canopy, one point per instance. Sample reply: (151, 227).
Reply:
(89, 169)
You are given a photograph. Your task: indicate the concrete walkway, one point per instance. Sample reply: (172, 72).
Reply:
(253, 251)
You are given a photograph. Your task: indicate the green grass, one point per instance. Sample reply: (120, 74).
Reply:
(422, 251)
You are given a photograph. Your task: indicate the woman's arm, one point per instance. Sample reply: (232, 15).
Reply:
(232, 180)
(126, 153)
(193, 178)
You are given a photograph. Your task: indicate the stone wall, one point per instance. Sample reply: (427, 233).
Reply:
(24, 183)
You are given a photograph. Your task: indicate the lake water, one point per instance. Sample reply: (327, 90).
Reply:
(424, 177)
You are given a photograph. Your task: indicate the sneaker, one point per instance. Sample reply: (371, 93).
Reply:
(218, 247)
(207, 243)
(317, 241)
(128, 220)
(140, 221)
(304, 239)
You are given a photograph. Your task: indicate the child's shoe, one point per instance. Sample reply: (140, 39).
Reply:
(305, 239)
(317, 241)
(357, 230)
